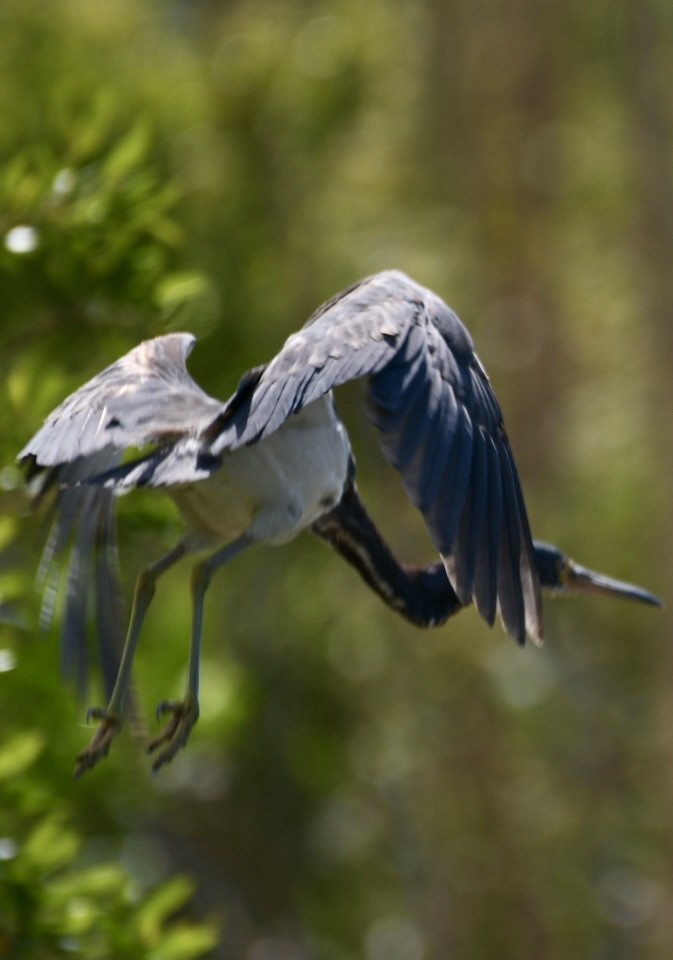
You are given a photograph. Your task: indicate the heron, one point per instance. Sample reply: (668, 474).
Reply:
(275, 460)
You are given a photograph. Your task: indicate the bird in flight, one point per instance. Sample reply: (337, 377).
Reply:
(275, 459)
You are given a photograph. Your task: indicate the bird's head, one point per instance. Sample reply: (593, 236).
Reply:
(560, 574)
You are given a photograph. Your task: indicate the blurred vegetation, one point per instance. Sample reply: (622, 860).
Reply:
(353, 788)
(51, 905)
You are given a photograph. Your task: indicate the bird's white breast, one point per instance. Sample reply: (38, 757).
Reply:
(272, 489)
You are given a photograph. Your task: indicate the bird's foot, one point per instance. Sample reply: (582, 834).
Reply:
(183, 716)
(108, 729)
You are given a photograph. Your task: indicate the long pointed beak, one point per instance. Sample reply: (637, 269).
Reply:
(578, 579)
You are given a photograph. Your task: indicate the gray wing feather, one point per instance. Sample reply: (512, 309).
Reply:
(83, 536)
(146, 397)
(355, 334)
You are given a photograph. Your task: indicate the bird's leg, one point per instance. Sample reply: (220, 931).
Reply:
(184, 713)
(110, 718)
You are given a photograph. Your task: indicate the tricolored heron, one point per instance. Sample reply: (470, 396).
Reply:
(275, 460)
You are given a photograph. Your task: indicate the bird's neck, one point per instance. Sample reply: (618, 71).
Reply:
(421, 594)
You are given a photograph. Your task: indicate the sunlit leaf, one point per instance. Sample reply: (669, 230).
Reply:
(100, 881)
(19, 753)
(50, 845)
(128, 153)
(90, 130)
(160, 904)
(185, 943)
(188, 300)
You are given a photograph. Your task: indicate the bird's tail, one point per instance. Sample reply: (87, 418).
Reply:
(82, 541)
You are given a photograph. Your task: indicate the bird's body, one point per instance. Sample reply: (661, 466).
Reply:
(271, 490)
(275, 460)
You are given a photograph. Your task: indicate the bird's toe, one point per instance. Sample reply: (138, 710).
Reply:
(174, 736)
(109, 727)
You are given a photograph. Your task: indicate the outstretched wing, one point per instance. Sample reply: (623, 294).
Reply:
(147, 397)
(440, 425)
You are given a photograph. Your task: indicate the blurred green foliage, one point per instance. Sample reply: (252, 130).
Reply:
(353, 789)
(51, 905)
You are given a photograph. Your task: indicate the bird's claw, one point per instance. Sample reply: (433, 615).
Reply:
(101, 741)
(183, 716)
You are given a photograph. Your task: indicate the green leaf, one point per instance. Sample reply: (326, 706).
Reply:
(129, 152)
(102, 881)
(186, 943)
(160, 904)
(188, 299)
(20, 753)
(49, 846)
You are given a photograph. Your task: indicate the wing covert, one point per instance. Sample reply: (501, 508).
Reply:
(353, 335)
(146, 397)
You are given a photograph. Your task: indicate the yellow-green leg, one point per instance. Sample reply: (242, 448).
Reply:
(110, 719)
(184, 713)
